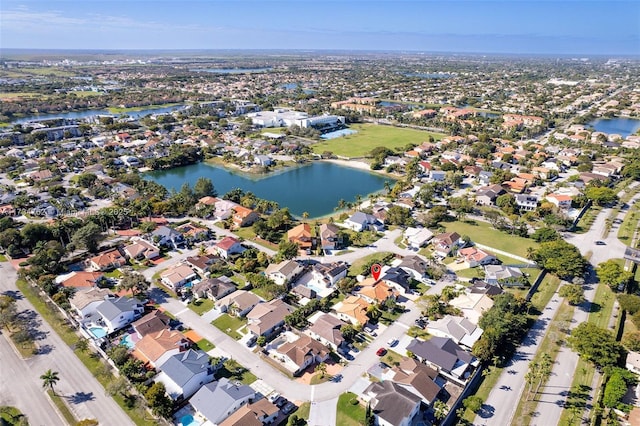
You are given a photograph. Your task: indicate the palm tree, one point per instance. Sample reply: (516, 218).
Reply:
(50, 379)
(305, 216)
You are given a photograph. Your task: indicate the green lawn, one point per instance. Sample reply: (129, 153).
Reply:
(318, 378)
(3, 258)
(415, 331)
(201, 306)
(545, 292)
(230, 325)
(602, 306)
(629, 225)
(11, 416)
(303, 411)
(356, 266)
(205, 345)
(118, 110)
(370, 136)
(484, 233)
(232, 370)
(113, 274)
(585, 222)
(349, 414)
(488, 382)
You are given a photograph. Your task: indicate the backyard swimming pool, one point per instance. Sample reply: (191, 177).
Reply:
(98, 332)
(126, 340)
(188, 420)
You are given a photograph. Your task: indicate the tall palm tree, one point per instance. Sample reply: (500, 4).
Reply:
(50, 379)
(305, 216)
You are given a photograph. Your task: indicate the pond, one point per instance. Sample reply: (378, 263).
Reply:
(95, 112)
(231, 70)
(315, 188)
(620, 125)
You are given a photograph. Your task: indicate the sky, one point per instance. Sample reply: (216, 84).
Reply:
(581, 27)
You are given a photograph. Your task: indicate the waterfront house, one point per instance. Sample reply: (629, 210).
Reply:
(243, 216)
(301, 235)
(360, 221)
(330, 237)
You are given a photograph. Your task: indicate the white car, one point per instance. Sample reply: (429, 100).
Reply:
(392, 342)
(273, 396)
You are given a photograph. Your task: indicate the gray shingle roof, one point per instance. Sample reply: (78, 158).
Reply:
(215, 399)
(183, 366)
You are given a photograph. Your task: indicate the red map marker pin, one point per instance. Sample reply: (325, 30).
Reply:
(375, 271)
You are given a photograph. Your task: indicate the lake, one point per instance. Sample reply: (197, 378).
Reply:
(231, 70)
(315, 188)
(94, 112)
(619, 125)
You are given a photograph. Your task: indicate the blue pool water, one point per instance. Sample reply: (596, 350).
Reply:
(98, 332)
(338, 133)
(126, 340)
(188, 420)
(318, 290)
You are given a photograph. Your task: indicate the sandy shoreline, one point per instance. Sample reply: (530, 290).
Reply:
(360, 165)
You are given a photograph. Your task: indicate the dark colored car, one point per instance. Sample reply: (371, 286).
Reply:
(381, 352)
(289, 408)
(601, 243)
(281, 401)
(337, 378)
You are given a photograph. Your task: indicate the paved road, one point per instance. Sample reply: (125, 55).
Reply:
(86, 397)
(501, 403)
(323, 413)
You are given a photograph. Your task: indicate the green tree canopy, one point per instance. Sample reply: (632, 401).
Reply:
(612, 274)
(204, 188)
(595, 344)
(560, 258)
(574, 293)
(89, 237)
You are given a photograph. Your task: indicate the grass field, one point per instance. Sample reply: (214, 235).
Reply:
(232, 370)
(19, 95)
(585, 222)
(118, 110)
(356, 266)
(545, 292)
(46, 71)
(303, 411)
(349, 414)
(201, 306)
(629, 225)
(370, 136)
(205, 345)
(483, 233)
(230, 325)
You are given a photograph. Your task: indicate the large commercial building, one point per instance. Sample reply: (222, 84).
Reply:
(286, 118)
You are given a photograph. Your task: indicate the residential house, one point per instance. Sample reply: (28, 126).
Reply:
(178, 275)
(301, 235)
(114, 314)
(561, 201)
(238, 303)
(217, 400)
(284, 272)
(437, 175)
(504, 276)
(375, 292)
(487, 195)
(329, 273)
(155, 348)
(265, 318)
(154, 322)
(330, 237)
(460, 330)
(227, 247)
(184, 373)
(79, 279)
(445, 243)
(473, 256)
(484, 177)
(417, 378)
(201, 263)
(224, 209)
(415, 266)
(85, 301)
(527, 202)
(397, 278)
(243, 216)
(633, 362)
(193, 233)
(472, 305)
(141, 249)
(360, 221)
(302, 353)
(417, 237)
(327, 330)
(110, 259)
(483, 287)
(261, 412)
(214, 288)
(445, 356)
(353, 309)
(167, 237)
(262, 160)
(391, 403)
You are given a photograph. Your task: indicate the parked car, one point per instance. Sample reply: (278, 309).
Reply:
(392, 342)
(273, 397)
(601, 243)
(336, 378)
(381, 352)
(289, 408)
(281, 401)
(252, 341)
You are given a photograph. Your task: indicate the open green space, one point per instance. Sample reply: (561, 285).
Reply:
(62, 408)
(229, 325)
(587, 219)
(205, 345)
(11, 416)
(303, 411)
(545, 292)
(232, 370)
(602, 306)
(370, 136)
(550, 345)
(201, 306)
(350, 411)
(629, 225)
(484, 233)
(358, 265)
(418, 332)
(19, 95)
(92, 362)
(49, 71)
(119, 110)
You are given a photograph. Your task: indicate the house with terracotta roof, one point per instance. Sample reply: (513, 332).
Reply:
(192, 232)
(243, 216)
(110, 259)
(79, 279)
(265, 318)
(141, 249)
(201, 263)
(296, 356)
(227, 247)
(301, 235)
(561, 201)
(353, 309)
(375, 292)
(473, 256)
(178, 275)
(155, 348)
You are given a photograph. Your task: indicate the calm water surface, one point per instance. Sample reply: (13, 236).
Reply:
(315, 188)
(621, 125)
(95, 112)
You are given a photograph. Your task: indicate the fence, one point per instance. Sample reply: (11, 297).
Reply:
(470, 388)
(536, 284)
